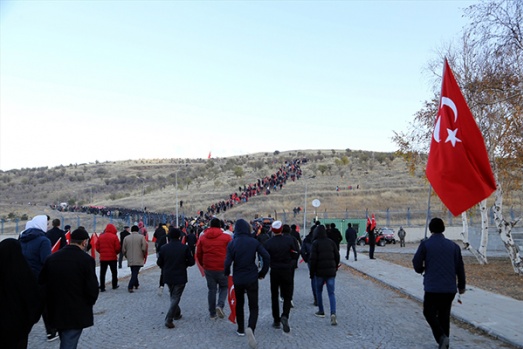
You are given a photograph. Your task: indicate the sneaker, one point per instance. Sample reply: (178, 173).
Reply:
(276, 325)
(160, 290)
(251, 339)
(220, 313)
(443, 342)
(213, 317)
(115, 287)
(281, 299)
(320, 314)
(333, 320)
(52, 337)
(130, 290)
(241, 334)
(169, 324)
(102, 290)
(285, 323)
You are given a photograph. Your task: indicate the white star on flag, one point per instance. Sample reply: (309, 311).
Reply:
(452, 137)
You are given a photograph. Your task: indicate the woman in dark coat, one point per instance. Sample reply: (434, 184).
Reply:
(20, 305)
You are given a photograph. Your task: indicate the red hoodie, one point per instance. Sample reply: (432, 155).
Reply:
(108, 244)
(211, 249)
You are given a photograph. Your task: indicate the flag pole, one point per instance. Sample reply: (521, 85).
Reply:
(428, 211)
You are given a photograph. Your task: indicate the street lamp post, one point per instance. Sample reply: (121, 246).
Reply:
(176, 196)
(143, 190)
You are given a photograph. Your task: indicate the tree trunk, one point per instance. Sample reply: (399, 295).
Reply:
(504, 230)
(466, 242)
(484, 230)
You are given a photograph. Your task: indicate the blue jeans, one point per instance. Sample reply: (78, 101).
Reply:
(133, 282)
(330, 290)
(175, 292)
(69, 338)
(216, 280)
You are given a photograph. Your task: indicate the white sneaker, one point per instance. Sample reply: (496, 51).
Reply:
(220, 313)
(251, 339)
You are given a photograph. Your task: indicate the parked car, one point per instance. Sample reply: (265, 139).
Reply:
(364, 240)
(388, 235)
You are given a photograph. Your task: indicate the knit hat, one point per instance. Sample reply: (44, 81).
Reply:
(276, 227)
(436, 225)
(215, 223)
(79, 235)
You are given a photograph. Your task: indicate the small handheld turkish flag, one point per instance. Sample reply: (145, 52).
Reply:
(232, 300)
(458, 166)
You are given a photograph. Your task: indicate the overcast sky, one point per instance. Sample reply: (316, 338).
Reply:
(82, 81)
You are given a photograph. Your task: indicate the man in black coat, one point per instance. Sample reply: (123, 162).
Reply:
(125, 232)
(55, 233)
(334, 234)
(71, 289)
(174, 259)
(283, 250)
(351, 236)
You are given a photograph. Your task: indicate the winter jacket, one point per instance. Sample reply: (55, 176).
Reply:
(283, 250)
(71, 288)
(108, 244)
(325, 256)
(351, 236)
(174, 258)
(36, 247)
(211, 249)
(335, 235)
(54, 234)
(441, 260)
(135, 249)
(242, 251)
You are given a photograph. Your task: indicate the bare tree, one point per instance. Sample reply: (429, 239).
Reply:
(488, 65)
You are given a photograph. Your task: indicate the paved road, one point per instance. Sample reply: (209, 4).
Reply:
(369, 316)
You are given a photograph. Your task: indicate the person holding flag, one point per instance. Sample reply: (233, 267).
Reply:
(241, 255)
(371, 227)
(56, 236)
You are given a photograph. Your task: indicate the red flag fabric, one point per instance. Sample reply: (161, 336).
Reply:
(200, 268)
(56, 246)
(458, 166)
(209, 156)
(232, 301)
(68, 237)
(94, 239)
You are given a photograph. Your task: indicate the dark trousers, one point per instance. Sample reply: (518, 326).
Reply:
(371, 250)
(353, 246)
(284, 280)
(252, 295)
(120, 260)
(174, 312)
(133, 282)
(436, 309)
(103, 271)
(45, 317)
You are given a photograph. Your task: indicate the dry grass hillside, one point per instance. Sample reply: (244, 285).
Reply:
(379, 181)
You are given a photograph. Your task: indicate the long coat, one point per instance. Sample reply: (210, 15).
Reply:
(71, 288)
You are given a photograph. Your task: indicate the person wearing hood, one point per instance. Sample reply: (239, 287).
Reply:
(211, 250)
(241, 254)
(108, 246)
(36, 247)
(325, 259)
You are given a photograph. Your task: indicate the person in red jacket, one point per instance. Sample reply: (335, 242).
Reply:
(108, 246)
(211, 250)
